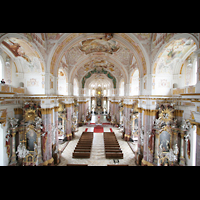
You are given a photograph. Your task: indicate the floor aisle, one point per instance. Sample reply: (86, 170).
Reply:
(97, 157)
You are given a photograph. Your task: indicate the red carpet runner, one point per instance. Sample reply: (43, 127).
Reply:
(98, 129)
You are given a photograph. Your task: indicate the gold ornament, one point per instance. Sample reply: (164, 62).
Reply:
(30, 115)
(166, 115)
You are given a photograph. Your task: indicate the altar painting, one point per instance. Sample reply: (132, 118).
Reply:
(165, 141)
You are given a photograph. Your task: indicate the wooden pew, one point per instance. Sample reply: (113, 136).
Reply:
(116, 165)
(114, 150)
(114, 155)
(84, 145)
(112, 147)
(82, 150)
(81, 155)
(80, 165)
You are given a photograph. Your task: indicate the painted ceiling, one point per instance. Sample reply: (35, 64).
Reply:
(79, 53)
(98, 51)
(171, 53)
(24, 50)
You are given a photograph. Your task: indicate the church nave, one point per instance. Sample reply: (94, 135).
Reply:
(137, 93)
(97, 157)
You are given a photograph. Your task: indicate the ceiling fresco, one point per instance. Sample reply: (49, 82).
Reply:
(173, 51)
(24, 50)
(98, 44)
(117, 53)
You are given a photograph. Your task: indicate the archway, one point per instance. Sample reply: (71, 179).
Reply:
(169, 66)
(99, 71)
(99, 85)
(24, 64)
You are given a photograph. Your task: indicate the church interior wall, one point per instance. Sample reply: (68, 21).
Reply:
(165, 84)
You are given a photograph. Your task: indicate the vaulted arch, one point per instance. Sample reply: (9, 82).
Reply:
(170, 60)
(98, 71)
(70, 40)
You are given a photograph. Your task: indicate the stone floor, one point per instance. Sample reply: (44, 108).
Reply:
(97, 157)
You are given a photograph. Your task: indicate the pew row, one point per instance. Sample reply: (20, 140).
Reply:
(84, 145)
(112, 147)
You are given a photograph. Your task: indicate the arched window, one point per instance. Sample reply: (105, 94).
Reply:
(62, 82)
(121, 88)
(171, 61)
(93, 92)
(134, 83)
(76, 87)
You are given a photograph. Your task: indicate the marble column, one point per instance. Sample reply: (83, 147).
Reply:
(139, 133)
(56, 125)
(13, 157)
(68, 121)
(195, 153)
(39, 156)
(146, 126)
(117, 112)
(48, 118)
(79, 111)
(152, 115)
(47, 139)
(182, 157)
(156, 158)
(128, 122)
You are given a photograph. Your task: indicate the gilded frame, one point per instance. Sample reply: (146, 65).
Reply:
(30, 127)
(168, 130)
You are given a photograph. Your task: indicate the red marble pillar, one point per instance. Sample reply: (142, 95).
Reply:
(139, 133)
(68, 121)
(127, 123)
(117, 112)
(56, 125)
(47, 138)
(152, 115)
(44, 138)
(145, 148)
